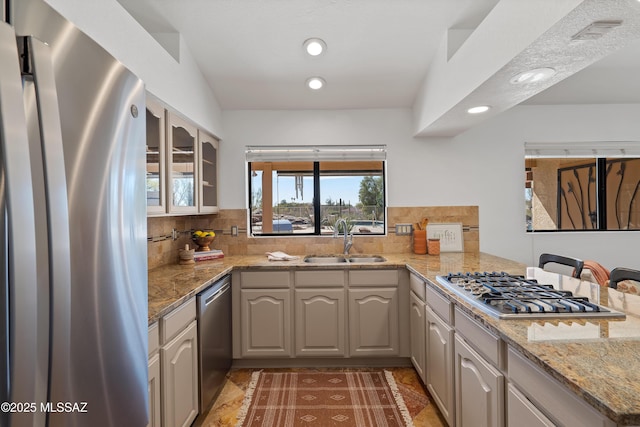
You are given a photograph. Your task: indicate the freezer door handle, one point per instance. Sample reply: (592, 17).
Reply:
(17, 262)
(46, 134)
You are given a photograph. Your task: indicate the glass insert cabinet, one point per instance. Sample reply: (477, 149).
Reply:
(156, 160)
(208, 170)
(182, 172)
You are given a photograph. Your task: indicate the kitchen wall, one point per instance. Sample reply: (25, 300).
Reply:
(482, 167)
(162, 249)
(179, 85)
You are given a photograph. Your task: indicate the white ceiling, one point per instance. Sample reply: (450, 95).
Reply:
(379, 51)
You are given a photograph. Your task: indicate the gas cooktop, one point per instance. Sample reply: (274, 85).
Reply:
(507, 296)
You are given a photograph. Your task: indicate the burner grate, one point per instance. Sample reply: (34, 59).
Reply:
(505, 295)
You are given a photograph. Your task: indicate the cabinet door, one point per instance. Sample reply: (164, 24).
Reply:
(320, 322)
(479, 389)
(417, 326)
(208, 173)
(373, 322)
(154, 392)
(156, 160)
(181, 139)
(265, 322)
(439, 363)
(522, 413)
(180, 378)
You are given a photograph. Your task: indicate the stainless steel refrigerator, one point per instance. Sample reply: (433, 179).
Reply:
(73, 304)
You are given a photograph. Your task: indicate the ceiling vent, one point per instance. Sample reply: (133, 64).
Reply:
(596, 30)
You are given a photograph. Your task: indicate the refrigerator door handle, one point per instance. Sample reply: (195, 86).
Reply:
(19, 377)
(57, 212)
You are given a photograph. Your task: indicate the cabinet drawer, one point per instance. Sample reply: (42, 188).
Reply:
(520, 411)
(439, 303)
(265, 279)
(489, 345)
(373, 278)
(417, 286)
(321, 278)
(154, 339)
(177, 320)
(550, 396)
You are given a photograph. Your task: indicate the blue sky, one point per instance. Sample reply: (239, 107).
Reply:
(345, 188)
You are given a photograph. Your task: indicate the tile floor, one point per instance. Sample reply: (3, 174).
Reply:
(225, 408)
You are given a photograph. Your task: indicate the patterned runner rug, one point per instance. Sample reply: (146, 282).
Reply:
(323, 399)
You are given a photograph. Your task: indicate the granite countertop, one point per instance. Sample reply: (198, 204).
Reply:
(171, 285)
(597, 359)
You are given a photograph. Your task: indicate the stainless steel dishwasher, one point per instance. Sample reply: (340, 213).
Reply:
(214, 339)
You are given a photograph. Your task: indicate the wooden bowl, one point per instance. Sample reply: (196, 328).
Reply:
(203, 243)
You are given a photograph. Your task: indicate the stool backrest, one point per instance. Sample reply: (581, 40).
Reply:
(619, 274)
(576, 263)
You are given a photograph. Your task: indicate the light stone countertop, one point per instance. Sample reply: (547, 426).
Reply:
(597, 359)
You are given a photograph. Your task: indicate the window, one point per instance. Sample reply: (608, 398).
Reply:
(305, 190)
(586, 187)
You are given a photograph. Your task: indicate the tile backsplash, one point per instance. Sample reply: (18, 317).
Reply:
(163, 249)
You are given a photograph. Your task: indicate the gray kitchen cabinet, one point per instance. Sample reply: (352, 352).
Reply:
(479, 382)
(374, 313)
(439, 363)
(173, 368)
(320, 313)
(155, 406)
(179, 362)
(156, 159)
(207, 173)
(521, 412)
(182, 165)
(418, 339)
(479, 389)
(265, 322)
(320, 322)
(536, 399)
(180, 378)
(155, 403)
(317, 313)
(373, 322)
(417, 324)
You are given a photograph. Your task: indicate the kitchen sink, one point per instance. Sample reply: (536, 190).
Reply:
(325, 259)
(364, 259)
(337, 259)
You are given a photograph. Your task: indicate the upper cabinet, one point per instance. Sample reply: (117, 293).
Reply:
(182, 143)
(156, 159)
(208, 179)
(182, 165)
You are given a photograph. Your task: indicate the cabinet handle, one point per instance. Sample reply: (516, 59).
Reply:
(216, 295)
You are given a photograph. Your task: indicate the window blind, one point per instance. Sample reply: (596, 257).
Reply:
(265, 153)
(588, 149)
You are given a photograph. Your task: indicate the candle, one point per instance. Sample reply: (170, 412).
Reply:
(433, 246)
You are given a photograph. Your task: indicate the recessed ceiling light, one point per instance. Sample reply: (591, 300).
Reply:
(315, 83)
(314, 47)
(533, 76)
(479, 109)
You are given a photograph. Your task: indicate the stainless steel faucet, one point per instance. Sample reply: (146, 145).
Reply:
(348, 237)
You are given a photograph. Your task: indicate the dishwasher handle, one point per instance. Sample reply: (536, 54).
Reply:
(217, 294)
